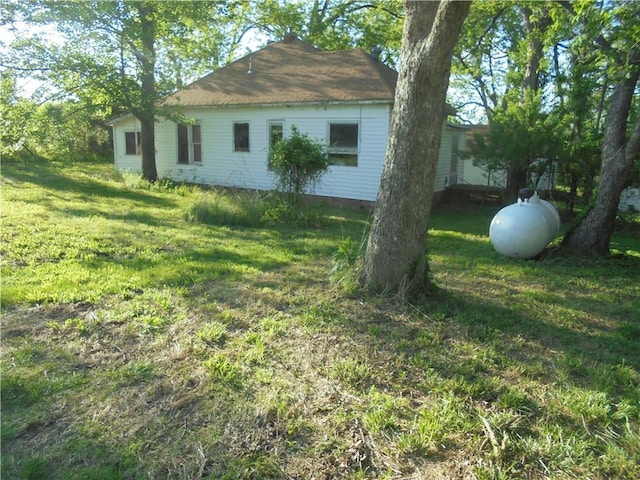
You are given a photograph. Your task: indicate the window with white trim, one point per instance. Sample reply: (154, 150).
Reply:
(343, 144)
(133, 143)
(189, 144)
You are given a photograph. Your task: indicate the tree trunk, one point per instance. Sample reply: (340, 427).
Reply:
(148, 132)
(147, 59)
(395, 261)
(535, 30)
(517, 179)
(593, 235)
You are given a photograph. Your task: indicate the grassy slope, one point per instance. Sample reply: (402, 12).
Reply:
(138, 345)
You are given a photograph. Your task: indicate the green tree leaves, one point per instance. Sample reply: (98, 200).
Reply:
(335, 24)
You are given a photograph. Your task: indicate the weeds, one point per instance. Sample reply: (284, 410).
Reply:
(432, 425)
(227, 209)
(222, 369)
(249, 209)
(213, 333)
(353, 373)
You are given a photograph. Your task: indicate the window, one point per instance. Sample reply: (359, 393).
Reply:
(196, 143)
(275, 135)
(133, 144)
(240, 137)
(189, 144)
(343, 144)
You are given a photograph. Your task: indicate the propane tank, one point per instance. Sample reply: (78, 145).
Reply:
(525, 228)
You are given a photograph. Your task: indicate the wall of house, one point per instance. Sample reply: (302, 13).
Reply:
(478, 175)
(221, 165)
(123, 161)
(630, 200)
(446, 173)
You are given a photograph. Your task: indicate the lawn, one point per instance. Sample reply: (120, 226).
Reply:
(143, 339)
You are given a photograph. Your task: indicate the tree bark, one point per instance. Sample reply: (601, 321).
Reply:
(535, 30)
(517, 179)
(395, 261)
(146, 115)
(593, 235)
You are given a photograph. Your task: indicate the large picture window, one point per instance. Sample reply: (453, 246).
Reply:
(133, 143)
(189, 144)
(240, 137)
(343, 144)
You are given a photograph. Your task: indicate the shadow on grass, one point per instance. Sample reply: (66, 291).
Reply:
(55, 177)
(131, 217)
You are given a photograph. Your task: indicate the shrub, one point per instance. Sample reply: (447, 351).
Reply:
(299, 162)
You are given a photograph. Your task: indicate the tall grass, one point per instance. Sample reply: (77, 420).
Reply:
(240, 209)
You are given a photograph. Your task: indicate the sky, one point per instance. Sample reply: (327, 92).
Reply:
(26, 87)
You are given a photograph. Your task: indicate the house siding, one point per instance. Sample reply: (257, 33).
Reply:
(124, 162)
(630, 200)
(477, 175)
(443, 167)
(221, 165)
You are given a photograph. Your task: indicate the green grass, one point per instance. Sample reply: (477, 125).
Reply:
(167, 331)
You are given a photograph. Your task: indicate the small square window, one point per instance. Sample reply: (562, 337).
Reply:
(343, 144)
(343, 135)
(241, 137)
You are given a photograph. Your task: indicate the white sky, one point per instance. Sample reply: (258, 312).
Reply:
(26, 87)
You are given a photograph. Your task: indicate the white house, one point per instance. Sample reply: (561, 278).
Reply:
(630, 200)
(236, 114)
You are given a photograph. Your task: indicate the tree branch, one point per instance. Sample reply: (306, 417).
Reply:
(25, 69)
(604, 44)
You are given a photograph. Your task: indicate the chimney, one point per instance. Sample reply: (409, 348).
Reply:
(375, 53)
(289, 36)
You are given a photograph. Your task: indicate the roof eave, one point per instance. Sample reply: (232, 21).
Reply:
(115, 120)
(283, 104)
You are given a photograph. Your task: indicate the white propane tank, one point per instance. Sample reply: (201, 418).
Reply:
(523, 229)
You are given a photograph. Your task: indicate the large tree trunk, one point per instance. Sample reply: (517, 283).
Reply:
(395, 260)
(517, 179)
(593, 235)
(148, 132)
(535, 28)
(147, 59)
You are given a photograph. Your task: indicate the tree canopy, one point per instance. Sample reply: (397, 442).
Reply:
(334, 24)
(120, 57)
